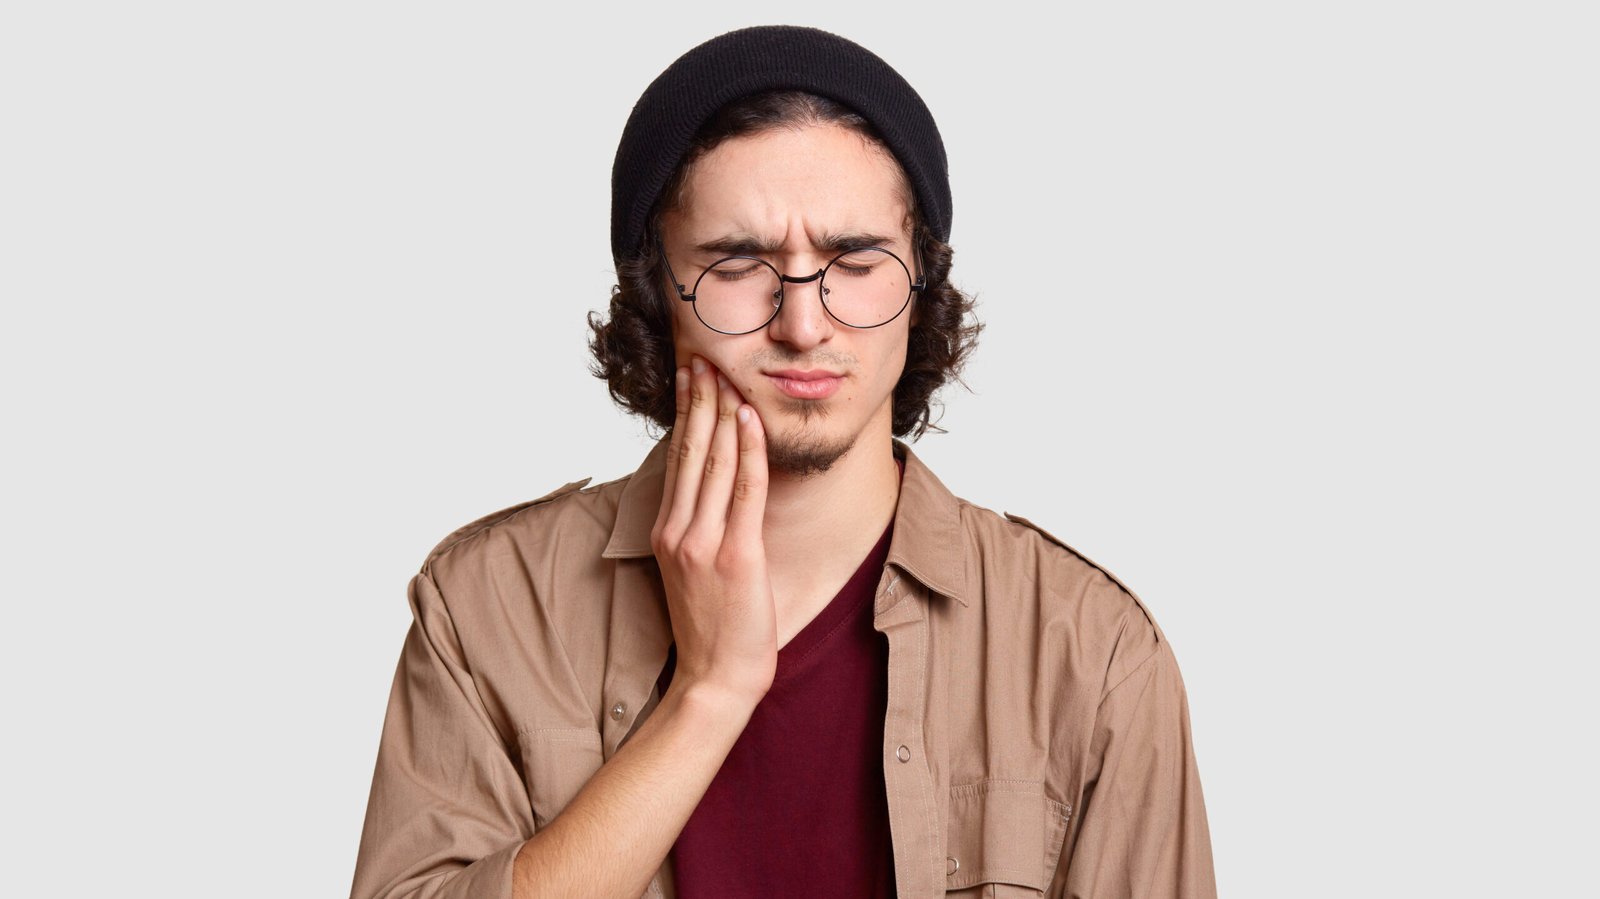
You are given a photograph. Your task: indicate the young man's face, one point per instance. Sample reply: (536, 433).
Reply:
(791, 190)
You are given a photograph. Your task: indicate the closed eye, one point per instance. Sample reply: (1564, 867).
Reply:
(856, 270)
(861, 261)
(736, 269)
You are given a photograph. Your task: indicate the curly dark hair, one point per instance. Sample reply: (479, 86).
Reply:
(633, 351)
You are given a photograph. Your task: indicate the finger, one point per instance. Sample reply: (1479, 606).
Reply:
(680, 389)
(717, 486)
(694, 444)
(749, 506)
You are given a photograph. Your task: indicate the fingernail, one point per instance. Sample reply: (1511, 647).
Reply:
(699, 365)
(744, 414)
(683, 378)
(722, 380)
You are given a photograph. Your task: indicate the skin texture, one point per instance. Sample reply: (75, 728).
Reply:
(794, 185)
(769, 503)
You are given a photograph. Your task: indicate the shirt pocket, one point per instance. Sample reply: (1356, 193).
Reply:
(556, 763)
(1003, 839)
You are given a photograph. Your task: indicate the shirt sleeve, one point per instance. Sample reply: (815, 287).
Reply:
(448, 810)
(1141, 829)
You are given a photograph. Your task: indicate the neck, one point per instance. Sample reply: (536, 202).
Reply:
(818, 528)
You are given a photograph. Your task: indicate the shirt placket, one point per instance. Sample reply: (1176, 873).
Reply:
(900, 614)
(640, 633)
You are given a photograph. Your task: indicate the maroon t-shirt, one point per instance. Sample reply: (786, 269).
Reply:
(799, 806)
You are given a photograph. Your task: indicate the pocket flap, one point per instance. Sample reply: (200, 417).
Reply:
(557, 762)
(1003, 831)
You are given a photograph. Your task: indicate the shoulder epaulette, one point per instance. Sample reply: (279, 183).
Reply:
(1063, 544)
(493, 518)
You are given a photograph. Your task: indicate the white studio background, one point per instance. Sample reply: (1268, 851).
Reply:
(1290, 324)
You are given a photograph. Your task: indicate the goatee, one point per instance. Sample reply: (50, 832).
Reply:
(800, 452)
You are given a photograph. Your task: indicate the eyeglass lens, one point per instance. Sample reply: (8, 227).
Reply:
(863, 288)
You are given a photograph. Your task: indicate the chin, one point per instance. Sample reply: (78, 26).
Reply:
(800, 450)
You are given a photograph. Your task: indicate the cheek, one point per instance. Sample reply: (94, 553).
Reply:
(675, 339)
(899, 350)
(687, 339)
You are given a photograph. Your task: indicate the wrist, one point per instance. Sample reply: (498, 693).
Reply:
(711, 703)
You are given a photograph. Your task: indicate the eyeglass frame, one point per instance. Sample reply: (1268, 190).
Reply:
(917, 286)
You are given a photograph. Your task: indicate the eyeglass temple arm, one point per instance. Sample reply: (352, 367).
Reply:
(686, 297)
(921, 283)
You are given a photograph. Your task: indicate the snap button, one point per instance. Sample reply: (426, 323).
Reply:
(952, 865)
(617, 711)
(903, 754)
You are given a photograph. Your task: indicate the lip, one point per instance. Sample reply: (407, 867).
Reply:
(815, 385)
(795, 374)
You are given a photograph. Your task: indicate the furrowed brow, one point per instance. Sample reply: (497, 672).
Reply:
(844, 241)
(739, 245)
(751, 245)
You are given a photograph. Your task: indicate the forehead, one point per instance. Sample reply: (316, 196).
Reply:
(788, 183)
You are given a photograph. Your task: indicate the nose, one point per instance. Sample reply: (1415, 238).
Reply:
(802, 322)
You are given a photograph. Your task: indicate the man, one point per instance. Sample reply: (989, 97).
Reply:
(780, 658)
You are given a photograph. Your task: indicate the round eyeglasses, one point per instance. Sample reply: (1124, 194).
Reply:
(866, 287)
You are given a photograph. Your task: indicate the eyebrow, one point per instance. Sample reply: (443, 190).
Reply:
(745, 244)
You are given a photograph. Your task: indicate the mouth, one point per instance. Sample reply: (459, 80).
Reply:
(807, 385)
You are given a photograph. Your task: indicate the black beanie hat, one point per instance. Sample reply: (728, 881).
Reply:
(734, 65)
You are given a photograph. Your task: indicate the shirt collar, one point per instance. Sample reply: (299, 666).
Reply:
(928, 542)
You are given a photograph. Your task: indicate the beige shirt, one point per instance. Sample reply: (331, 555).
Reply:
(1036, 738)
